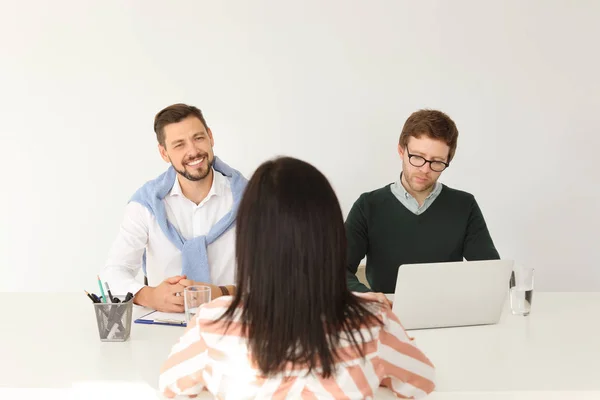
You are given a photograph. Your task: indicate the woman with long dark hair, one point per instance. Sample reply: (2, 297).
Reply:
(293, 329)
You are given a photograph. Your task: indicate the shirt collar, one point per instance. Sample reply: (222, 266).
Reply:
(216, 189)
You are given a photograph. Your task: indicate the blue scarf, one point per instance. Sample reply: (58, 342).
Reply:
(193, 252)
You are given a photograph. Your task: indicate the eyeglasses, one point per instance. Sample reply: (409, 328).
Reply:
(418, 161)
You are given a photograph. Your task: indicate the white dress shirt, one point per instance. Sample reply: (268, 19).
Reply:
(140, 231)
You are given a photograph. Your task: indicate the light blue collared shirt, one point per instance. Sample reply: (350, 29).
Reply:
(410, 202)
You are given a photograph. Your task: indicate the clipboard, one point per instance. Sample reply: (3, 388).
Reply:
(162, 318)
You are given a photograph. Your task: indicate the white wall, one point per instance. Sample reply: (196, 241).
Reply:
(327, 81)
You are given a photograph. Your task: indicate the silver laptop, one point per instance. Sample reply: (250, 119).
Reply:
(436, 295)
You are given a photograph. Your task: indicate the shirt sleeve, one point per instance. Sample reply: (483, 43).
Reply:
(183, 372)
(358, 244)
(478, 244)
(408, 372)
(125, 256)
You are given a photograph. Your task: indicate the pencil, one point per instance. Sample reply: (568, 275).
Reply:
(101, 289)
(90, 296)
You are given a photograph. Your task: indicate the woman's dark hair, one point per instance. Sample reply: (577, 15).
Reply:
(292, 295)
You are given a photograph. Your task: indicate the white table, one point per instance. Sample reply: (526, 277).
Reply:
(55, 345)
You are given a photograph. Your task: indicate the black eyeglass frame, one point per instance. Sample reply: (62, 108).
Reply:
(425, 161)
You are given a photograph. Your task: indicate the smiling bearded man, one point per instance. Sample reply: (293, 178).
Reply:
(180, 227)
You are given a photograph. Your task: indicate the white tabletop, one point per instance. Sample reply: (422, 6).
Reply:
(55, 344)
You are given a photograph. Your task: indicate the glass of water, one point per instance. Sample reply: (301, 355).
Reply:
(194, 297)
(521, 291)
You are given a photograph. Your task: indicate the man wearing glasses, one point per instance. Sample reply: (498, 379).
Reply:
(416, 219)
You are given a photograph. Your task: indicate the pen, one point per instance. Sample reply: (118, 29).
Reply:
(112, 332)
(170, 321)
(128, 297)
(101, 289)
(110, 296)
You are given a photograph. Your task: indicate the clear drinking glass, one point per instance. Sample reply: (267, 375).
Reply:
(521, 291)
(194, 297)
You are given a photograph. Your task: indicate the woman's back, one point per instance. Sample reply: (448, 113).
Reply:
(219, 359)
(292, 328)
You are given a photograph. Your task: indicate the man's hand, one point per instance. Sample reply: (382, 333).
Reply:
(382, 298)
(166, 297)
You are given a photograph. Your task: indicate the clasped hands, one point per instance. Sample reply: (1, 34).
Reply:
(168, 296)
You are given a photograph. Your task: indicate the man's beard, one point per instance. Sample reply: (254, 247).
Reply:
(201, 174)
(426, 187)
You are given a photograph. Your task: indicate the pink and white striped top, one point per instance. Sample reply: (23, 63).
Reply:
(207, 359)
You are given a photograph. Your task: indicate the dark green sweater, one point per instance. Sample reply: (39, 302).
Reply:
(384, 230)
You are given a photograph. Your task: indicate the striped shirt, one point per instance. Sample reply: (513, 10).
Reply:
(208, 358)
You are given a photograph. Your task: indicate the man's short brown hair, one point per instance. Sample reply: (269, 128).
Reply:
(434, 124)
(173, 114)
